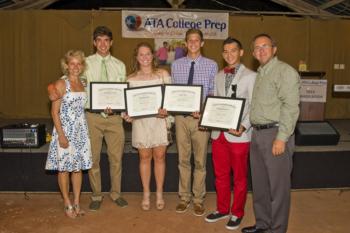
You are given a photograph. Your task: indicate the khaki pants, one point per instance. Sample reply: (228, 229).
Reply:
(111, 129)
(188, 136)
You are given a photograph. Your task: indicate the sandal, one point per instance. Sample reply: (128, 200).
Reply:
(78, 211)
(145, 204)
(160, 204)
(69, 211)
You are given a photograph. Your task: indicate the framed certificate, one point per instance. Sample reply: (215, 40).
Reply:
(182, 98)
(107, 94)
(143, 101)
(222, 113)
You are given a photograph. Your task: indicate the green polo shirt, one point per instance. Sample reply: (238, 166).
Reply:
(276, 97)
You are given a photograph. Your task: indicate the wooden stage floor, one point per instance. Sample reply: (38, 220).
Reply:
(312, 211)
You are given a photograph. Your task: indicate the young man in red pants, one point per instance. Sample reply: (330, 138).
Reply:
(230, 149)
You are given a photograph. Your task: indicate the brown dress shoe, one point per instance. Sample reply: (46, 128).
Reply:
(198, 209)
(182, 206)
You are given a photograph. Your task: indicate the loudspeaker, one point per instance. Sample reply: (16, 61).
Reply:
(316, 133)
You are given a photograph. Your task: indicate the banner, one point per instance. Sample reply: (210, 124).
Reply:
(173, 24)
(313, 90)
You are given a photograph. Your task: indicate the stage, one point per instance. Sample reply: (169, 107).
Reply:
(314, 166)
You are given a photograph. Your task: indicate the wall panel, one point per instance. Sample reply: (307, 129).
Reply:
(32, 43)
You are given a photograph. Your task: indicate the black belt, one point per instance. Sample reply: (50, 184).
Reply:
(265, 126)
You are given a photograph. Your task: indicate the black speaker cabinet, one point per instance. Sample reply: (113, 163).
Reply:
(316, 133)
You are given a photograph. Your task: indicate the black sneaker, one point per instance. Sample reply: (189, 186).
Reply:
(253, 229)
(233, 223)
(215, 216)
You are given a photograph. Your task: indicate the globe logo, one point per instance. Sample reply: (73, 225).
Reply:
(133, 22)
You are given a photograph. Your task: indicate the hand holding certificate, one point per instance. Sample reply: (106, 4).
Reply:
(222, 113)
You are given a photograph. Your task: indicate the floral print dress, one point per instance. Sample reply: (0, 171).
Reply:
(78, 154)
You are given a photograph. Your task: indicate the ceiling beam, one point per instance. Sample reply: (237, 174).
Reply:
(226, 5)
(330, 4)
(29, 4)
(302, 7)
(175, 3)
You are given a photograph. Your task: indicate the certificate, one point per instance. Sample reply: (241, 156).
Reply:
(143, 101)
(222, 113)
(107, 95)
(182, 98)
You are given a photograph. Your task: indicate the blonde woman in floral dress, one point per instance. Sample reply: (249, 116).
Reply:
(70, 151)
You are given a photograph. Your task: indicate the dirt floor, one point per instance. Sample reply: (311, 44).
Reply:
(312, 211)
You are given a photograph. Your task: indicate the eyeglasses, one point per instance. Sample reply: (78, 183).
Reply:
(234, 89)
(262, 47)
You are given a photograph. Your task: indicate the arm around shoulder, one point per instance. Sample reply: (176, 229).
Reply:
(56, 90)
(60, 86)
(166, 76)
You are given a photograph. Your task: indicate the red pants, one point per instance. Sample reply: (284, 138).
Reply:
(226, 156)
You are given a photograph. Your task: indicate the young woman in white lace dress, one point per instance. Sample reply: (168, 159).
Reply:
(149, 134)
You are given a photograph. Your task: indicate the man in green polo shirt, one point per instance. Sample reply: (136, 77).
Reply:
(274, 112)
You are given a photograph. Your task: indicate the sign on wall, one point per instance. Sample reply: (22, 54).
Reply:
(173, 24)
(313, 90)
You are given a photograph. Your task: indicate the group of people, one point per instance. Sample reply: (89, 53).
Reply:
(167, 54)
(265, 136)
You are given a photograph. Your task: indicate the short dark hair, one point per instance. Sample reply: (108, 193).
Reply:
(102, 31)
(273, 42)
(194, 31)
(230, 40)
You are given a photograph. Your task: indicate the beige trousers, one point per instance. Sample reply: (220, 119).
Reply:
(111, 129)
(188, 136)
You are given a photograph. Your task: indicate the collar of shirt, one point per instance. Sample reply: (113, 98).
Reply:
(99, 57)
(197, 60)
(267, 66)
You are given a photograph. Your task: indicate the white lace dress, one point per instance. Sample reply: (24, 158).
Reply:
(149, 132)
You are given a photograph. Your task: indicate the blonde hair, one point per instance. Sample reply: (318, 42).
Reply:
(135, 63)
(68, 56)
